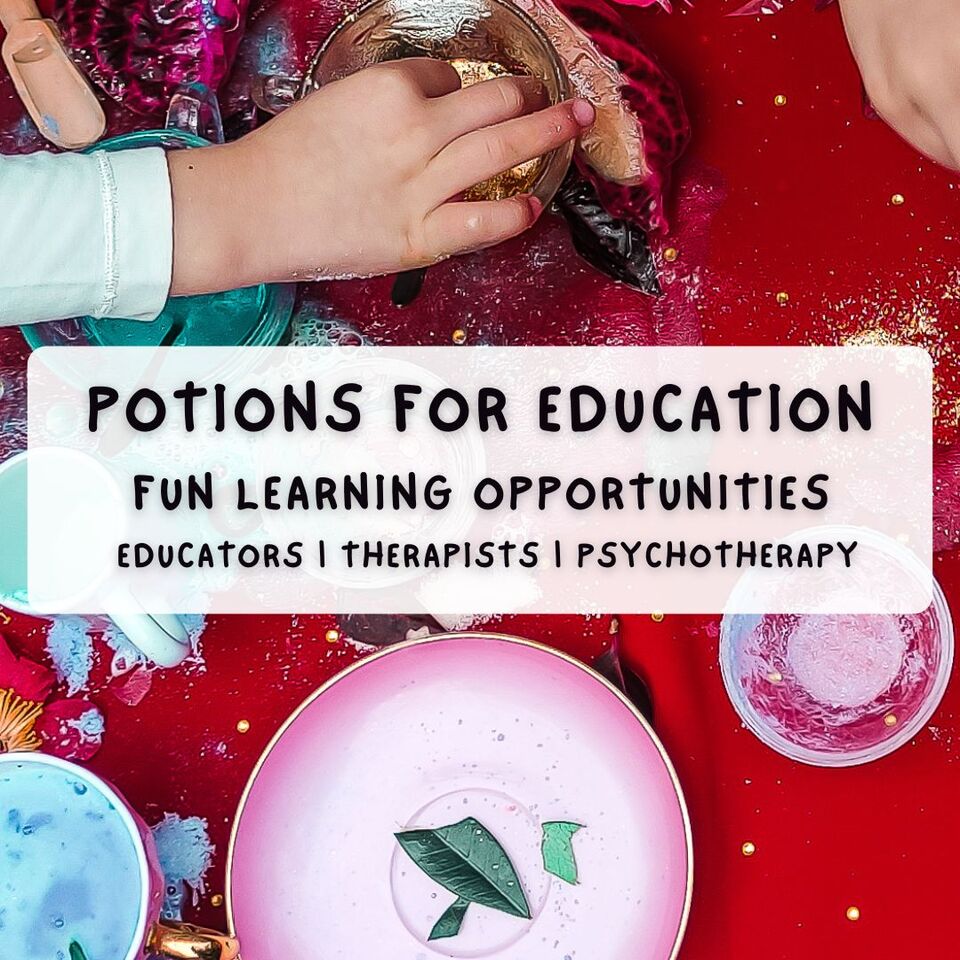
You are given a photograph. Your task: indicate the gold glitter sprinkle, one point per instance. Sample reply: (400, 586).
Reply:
(898, 200)
(853, 913)
(216, 900)
(748, 849)
(5, 618)
(919, 315)
(614, 625)
(657, 617)
(783, 298)
(332, 636)
(890, 719)
(671, 254)
(780, 100)
(775, 676)
(243, 726)
(459, 336)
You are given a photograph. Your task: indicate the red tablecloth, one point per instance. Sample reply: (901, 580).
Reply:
(809, 213)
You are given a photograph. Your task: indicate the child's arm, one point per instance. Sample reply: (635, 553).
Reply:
(909, 57)
(356, 179)
(360, 178)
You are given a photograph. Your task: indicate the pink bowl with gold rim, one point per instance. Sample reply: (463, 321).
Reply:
(428, 733)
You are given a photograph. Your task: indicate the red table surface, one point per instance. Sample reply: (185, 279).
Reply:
(808, 212)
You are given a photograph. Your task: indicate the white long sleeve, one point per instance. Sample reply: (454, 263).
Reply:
(85, 235)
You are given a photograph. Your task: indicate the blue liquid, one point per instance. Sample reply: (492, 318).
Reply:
(216, 320)
(13, 544)
(68, 868)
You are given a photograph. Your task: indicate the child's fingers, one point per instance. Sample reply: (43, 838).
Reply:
(455, 228)
(484, 153)
(433, 78)
(493, 101)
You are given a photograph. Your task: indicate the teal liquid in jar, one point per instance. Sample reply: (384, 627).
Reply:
(215, 320)
(13, 548)
(69, 870)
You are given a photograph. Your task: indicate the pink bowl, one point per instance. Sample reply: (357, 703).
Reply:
(430, 732)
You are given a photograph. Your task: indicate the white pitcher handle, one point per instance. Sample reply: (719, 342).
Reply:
(161, 638)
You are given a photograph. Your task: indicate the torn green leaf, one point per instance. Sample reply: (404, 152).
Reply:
(557, 849)
(449, 924)
(466, 859)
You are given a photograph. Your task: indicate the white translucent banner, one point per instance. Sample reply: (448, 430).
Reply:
(457, 481)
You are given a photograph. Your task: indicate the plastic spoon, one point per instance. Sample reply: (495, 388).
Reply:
(56, 94)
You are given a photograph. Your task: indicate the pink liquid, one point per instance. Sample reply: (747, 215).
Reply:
(846, 660)
(835, 684)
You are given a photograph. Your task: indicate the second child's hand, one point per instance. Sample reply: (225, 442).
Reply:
(908, 52)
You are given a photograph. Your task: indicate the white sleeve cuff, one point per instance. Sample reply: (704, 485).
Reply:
(138, 233)
(85, 235)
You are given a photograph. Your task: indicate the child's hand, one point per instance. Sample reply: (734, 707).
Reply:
(909, 57)
(361, 178)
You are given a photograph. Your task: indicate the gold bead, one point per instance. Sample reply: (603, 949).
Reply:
(748, 849)
(671, 254)
(853, 914)
(783, 298)
(216, 900)
(898, 200)
(775, 676)
(459, 336)
(657, 617)
(890, 719)
(780, 100)
(332, 636)
(243, 726)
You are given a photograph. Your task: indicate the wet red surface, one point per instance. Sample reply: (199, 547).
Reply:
(808, 212)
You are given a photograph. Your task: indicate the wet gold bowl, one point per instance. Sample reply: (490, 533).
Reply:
(493, 36)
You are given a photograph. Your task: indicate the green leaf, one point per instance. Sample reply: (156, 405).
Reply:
(466, 859)
(76, 951)
(449, 924)
(557, 848)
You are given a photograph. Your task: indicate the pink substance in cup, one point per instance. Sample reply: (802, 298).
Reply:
(837, 689)
(846, 660)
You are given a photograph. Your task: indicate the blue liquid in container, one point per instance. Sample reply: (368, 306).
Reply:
(69, 869)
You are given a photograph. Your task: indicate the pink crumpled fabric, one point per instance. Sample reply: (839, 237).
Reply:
(756, 8)
(655, 98)
(139, 52)
(665, 4)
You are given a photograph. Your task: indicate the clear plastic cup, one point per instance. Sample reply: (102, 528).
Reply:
(837, 690)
